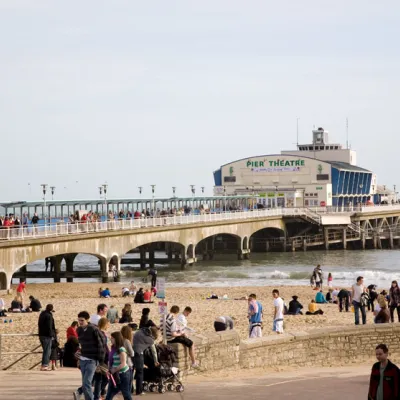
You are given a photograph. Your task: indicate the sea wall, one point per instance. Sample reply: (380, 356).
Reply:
(321, 347)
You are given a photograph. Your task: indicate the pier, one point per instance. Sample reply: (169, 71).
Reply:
(188, 239)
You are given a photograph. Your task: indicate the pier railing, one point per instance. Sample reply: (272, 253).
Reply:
(62, 228)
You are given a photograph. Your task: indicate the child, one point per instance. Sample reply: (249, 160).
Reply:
(55, 351)
(330, 280)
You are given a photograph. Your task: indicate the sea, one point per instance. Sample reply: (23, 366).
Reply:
(378, 267)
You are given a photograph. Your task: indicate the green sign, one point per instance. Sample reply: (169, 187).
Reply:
(319, 188)
(275, 163)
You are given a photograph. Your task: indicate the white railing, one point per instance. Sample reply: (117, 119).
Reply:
(62, 228)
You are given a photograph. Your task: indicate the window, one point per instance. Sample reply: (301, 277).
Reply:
(322, 177)
(229, 178)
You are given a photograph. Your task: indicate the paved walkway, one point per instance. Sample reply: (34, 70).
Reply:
(327, 383)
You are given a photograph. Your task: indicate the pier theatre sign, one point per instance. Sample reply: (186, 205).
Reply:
(278, 165)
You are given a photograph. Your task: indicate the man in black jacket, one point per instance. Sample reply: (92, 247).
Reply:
(35, 305)
(92, 353)
(47, 333)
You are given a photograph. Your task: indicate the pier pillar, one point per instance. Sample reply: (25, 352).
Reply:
(23, 270)
(293, 245)
(183, 258)
(363, 240)
(5, 282)
(326, 238)
(267, 245)
(379, 241)
(344, 239)
(304, 244)
(57, 260)
(142, 252)
(205, 250)
(284, 244)
(69, 261)
(391, 244)
(211, 248)
(151, 256)
(106, 275)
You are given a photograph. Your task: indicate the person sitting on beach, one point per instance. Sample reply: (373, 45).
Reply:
(70, 348)
(139, 296)
(2, 308)
(383, 315)
(132, 288)
(223, 323)
(71, 331)
(16, 305)
(294, 307)
(335, 293)
(147, 296)
(313, 309)
(101, 312)
(320, 298)
(35, 305)
(329, 295)
(105, 293)
(126, 314)
(112, 314)
(213, 296)
(145, 322)
(99, 291)
(125, 292)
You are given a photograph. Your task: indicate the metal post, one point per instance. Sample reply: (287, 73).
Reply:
(44, 189)
(153, 187)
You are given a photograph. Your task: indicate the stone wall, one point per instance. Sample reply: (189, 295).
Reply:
(321, 347)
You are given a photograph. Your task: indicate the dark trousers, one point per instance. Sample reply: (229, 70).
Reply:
(371, 305)
(344, 300)
(100, 383)
(122, 387)
(392, 308)
(153, 281)
(139, 365)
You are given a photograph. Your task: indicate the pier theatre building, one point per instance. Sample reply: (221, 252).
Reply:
(319, 174)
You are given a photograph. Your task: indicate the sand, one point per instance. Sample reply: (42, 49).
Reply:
(70, 298)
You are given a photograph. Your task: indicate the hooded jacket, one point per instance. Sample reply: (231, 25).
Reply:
(391, 377)
(92, 342)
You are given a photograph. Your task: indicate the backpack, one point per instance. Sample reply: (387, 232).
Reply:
(364, 299)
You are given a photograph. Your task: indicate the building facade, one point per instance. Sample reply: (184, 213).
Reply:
(314, 175)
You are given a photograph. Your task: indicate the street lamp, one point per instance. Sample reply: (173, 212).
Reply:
(202, 189)
(225, 198)
(173, 190)
(153, 189)
(44, 189)
(193, 189)
(53, 189)
(105, 187)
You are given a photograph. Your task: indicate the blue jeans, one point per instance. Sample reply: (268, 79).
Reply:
(46, 341)
(100, 383)
(123, 387)
(357, 308)
(88, 368)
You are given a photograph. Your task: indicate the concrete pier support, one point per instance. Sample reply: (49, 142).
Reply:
(142, 258)
(305, 245)
(344, 239)
(183, 258)
(363, 240)
(391, 242)
(326, 238)
(69, 262)
(106, 275)
(151, 256)
(23, 269)
(57, 260)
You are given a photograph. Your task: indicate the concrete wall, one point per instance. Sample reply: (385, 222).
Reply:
(322, 347)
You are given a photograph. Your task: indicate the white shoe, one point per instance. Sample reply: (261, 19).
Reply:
(76, 395)
(195, 365)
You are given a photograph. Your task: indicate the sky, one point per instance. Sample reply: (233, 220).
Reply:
(136, 93)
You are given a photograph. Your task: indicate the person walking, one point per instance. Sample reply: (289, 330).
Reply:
(255, 314)
(47, 333)
(119, 369)
(318, 277)
(278, 312)
(100, 380)
(92, 353)
(356, 292)
(153, 274)
(394, 300)
(384, 380)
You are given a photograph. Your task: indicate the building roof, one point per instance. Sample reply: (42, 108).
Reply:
(347, 167)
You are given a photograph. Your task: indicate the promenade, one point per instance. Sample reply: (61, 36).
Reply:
(350, 383)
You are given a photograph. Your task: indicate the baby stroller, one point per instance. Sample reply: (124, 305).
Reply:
(165, 376)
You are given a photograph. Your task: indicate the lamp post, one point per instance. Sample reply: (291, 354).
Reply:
(105, 187)
(361, 188)
(44, 189)
(53, 189)
(153, 189)
(225, 198)
(394, 194)
(202, 189)
(193, 190)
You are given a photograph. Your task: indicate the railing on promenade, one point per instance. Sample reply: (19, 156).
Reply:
(6, 355)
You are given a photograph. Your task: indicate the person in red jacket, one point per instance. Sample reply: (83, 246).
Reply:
(384, 382)
(72, 330)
